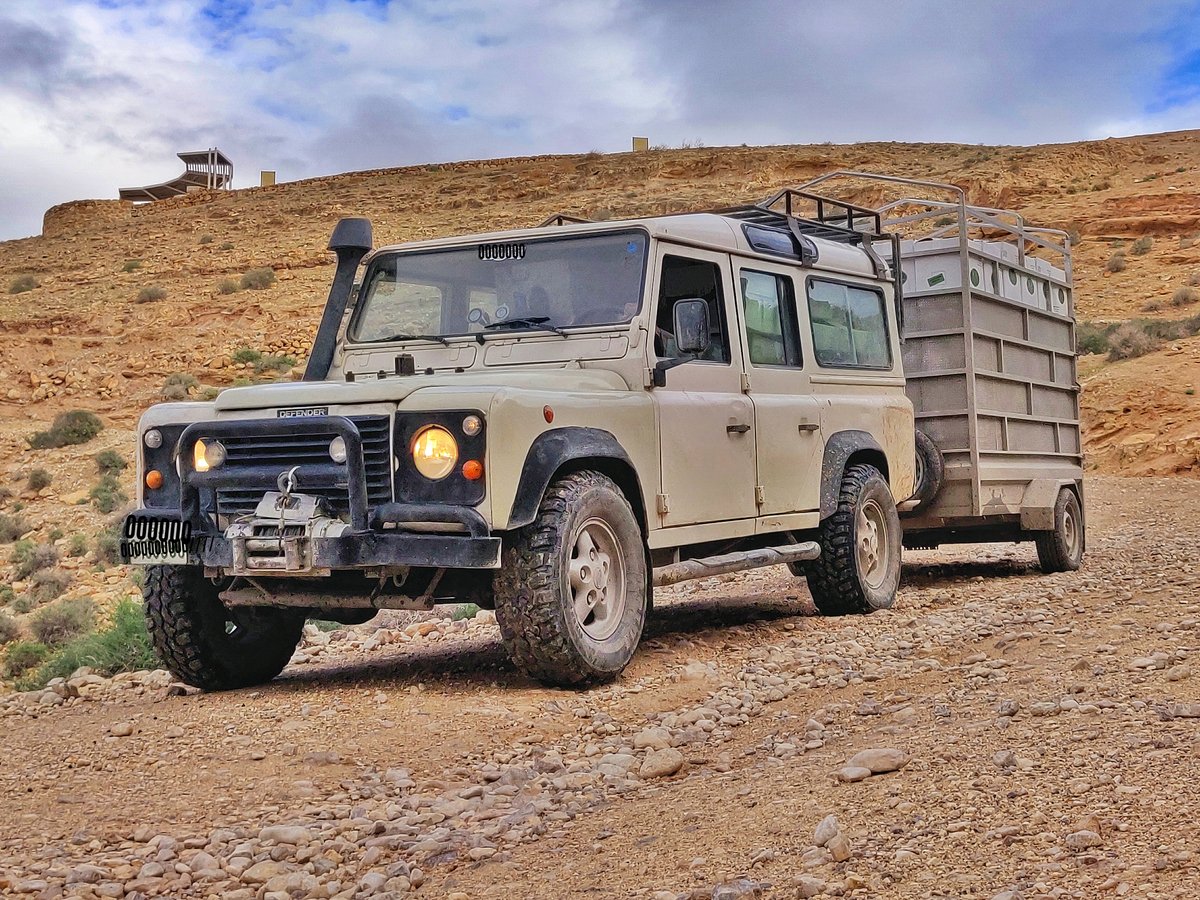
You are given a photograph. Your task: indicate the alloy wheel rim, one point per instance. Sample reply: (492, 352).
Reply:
(871, 543)
(596, 579)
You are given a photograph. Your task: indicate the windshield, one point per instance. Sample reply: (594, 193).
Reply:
(529, 285)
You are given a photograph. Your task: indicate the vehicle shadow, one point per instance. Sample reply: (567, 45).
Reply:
(930, 574)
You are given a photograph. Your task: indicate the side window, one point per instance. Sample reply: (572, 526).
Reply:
(849, 326)
(771, 333)
(688, 279)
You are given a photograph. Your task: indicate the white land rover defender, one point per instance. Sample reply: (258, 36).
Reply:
(550, 422)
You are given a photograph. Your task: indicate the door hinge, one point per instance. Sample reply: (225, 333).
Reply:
(760, 496)
(663, 502)
(745, 382)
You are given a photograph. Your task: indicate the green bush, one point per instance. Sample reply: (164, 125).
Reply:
(107, 495)
(131, 265)
(21, 656)
(178, 385)
(258, 279)
(108, 545)
(49, 584)
(274, 364)
(1091, 338)
(7, 594)
(21, 284)
(23, 604)
(75, 427)
(11, 528)
(110, 462)
(464, 611)
(9, 629)
(1142, 245)
(124, 646)
(246, 355)
(206, 238)
(227, 286)
(63, 621)
(55, 535)
(28, 558)
(151, 293)
(78, 545)
(38, 479)
(1129, 342)
(1116, 263)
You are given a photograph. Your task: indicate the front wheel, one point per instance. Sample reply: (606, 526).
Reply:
(207, 645)
(858, 570)
(1061, 550)
(572, 590)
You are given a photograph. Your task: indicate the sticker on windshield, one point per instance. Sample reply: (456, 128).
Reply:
(501, 251)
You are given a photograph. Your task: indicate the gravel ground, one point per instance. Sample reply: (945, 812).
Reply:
(999, 734)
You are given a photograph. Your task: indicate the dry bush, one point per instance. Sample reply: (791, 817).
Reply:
(63, 621)
(1142, 245)
(258, 279)
(1185, 296)
(49, 584)
(1129, 342)
(38, 479)
(75, 427)
(21, 284)
(151, 294)
(1116, 263)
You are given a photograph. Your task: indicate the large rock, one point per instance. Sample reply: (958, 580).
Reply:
(879, 760)
(662, 763)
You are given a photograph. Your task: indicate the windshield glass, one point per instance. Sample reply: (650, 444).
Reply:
(532, 285)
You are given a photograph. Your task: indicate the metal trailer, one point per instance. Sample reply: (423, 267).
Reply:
(990, 363)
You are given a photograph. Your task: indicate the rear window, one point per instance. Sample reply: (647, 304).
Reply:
(849, 326)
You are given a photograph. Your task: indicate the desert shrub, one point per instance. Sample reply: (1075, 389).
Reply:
(62, 621)
(131, 265)
(110, 462)
(77, 546)
(7, 594)
(9, 629)
(1142, 245)
(206, 239)
(38, 479)
(75, 427)
(274, 364)
(151, 293)
(108, 545)
(258, 279)
(1116, 263)
(107, 495)
(23, 604)
(28, 557)
(21, 284)
(11, 528)
(1151, 306)
(177, 386)
(49, 584)
(210, 393)
(464, 611)
(228, 245)
(1091, 338)
(227, 286)
(1129, 342)
(21, 656)
(1194, 279)
(246, 355)
(124, 646)
(1185, 296)
(1074, 238)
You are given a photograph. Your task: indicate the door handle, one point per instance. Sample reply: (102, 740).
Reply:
(809, 426)
(741, 428)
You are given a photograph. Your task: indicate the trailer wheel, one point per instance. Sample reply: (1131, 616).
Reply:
(1061, 550)
(931, 470)
(858, 570)
(572, 591)
(207, 645)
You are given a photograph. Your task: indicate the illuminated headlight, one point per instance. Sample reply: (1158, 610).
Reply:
(208, 455)
(435, 452)
(472, 425)
(152, 438)
(337, 449)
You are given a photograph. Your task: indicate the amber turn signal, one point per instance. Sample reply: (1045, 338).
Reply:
(548, 413)
(472, 470)
(154, 479)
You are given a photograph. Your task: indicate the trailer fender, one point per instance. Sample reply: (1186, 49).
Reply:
(1037, 505)
(840, 449)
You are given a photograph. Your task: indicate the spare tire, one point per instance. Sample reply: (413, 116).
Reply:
(931, 470)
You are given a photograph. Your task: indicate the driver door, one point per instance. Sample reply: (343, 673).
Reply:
(706, 422)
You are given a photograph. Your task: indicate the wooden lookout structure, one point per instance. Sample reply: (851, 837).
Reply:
(204, 170)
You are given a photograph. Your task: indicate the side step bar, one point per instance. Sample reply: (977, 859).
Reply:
(735, 562)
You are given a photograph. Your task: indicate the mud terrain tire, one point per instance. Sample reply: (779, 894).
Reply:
(208, 646)
(1061, 550)
(858, 570)
(572, 589)
(931, 470)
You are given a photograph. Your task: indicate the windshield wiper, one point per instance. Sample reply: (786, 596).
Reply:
(414, 337)
(542, 322)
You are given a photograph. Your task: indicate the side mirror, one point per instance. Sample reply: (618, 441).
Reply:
(691, 326)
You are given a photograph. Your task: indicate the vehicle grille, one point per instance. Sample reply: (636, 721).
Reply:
(286, 451)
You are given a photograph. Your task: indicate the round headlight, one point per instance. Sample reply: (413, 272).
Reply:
(152, 438)
(337, 449)
(435, 452)
(472, 425)
(208, 455)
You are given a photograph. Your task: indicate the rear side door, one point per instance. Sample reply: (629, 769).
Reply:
(706, 422)
(787, 417)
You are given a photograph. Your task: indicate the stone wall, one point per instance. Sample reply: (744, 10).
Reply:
(84, 215)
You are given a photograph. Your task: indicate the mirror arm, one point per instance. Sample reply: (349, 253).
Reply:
(659, 376)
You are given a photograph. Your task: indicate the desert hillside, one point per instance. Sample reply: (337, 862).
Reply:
(126, 298)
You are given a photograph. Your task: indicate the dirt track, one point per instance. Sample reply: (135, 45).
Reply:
(1050, 724)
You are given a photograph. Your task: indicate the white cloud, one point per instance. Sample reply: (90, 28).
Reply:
(101, 95)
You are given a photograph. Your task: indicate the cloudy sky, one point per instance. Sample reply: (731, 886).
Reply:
(100, 94)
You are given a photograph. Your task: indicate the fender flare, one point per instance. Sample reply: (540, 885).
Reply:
(573, 448)
(838, 450)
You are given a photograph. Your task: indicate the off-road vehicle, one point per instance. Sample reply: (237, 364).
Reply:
(553, 422)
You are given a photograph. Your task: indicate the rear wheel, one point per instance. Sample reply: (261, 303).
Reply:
(1061, 550)
(930, 470)
(207, 645)
(572, 591)
(858, 570)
